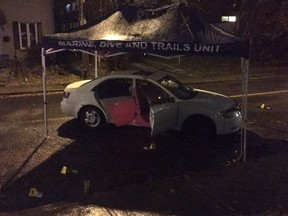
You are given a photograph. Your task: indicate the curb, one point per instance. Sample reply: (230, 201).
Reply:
(30, 92)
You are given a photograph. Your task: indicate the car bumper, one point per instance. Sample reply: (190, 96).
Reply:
(231, 125)
(68, 108)
(234, 124)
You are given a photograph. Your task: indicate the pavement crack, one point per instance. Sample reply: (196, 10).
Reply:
(201, 188)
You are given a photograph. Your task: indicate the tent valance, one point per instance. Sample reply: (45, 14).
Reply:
(161, 48)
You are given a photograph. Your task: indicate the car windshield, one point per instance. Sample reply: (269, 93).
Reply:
(177, 88)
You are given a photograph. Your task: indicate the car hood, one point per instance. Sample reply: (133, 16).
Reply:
(218, 100)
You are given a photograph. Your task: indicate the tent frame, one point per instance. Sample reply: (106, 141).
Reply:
(245, 80)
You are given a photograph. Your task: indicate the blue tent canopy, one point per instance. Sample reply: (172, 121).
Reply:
(169, 30)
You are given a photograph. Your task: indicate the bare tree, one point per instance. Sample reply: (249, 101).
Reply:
(3, 19)
(95, 9)
(265, 23)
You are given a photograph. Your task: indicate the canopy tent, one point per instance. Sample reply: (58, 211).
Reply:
(171, 30)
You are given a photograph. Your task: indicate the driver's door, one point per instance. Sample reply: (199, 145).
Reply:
(163, 108)
(163, 117)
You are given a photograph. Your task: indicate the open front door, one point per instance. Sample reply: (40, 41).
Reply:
(163, 108)
(163, 117)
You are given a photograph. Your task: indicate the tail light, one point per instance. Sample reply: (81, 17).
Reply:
(66, 94)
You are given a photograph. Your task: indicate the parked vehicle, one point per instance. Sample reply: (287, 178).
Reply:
(150, 99)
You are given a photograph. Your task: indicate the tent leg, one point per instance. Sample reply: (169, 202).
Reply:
(44, 92)
(245, 79)
(96, 64)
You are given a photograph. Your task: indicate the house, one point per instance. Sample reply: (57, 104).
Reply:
(27, 21)
(70, 14)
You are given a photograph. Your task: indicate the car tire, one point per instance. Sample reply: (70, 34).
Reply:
(91, 118)
(199, 129)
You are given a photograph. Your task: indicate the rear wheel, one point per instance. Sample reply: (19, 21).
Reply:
(199, 129)
(91, 118)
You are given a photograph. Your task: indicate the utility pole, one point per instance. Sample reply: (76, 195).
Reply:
(81, 11)
(101, 8)
(85, 57)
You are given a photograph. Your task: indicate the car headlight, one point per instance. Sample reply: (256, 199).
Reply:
(235, 110)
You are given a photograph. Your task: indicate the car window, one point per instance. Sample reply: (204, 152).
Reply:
(112, 88)
(176, 87)
(153, 93)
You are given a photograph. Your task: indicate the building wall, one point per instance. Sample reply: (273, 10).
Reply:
(24, 11)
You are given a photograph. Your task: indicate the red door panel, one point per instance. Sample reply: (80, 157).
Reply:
(121, 109)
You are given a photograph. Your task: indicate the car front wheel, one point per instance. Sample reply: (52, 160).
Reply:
(199, 129)
(91, 118)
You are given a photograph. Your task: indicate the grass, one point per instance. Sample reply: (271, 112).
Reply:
(187, 65)
(211, 65)
(204, 64)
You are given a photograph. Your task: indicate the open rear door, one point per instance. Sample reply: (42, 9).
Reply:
(163, 117)
(121, 109)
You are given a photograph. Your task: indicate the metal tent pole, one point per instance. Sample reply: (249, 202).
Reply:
(96, 64)
(245, 79)
(44, 91)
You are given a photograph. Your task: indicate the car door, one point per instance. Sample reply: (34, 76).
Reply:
(116, 99)
(163, 117)
(163, 108)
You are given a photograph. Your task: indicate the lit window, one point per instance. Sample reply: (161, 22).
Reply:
(225, 19)
(26, 34)
(68, 8)
(232, 18)
(33, 34)
(23, 34)
(228, 19)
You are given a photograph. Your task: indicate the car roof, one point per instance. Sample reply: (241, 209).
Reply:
(144, 74)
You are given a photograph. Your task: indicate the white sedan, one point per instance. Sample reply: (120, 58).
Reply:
(150, 99)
